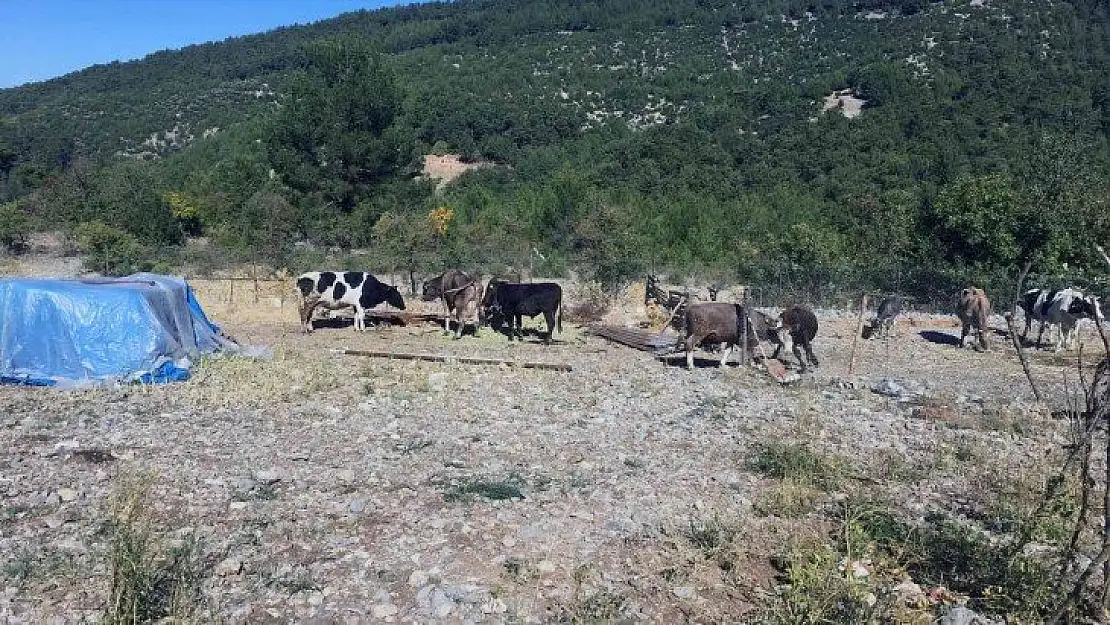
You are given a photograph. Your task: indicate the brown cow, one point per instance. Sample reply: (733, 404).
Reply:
(801, 324)
(460, 295)
(973, 310)
(719, 322)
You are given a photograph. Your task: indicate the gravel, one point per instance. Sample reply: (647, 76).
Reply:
(330, 488)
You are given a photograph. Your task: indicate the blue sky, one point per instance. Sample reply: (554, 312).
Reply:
(41, 39)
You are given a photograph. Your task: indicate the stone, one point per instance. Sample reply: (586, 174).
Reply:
(384, 610)
(961, 615)
(269, 476)
(684, 592)
(229, 566)
(494, 606)
(888, 388)
(441, 604)
(67, 494)
(418, 578)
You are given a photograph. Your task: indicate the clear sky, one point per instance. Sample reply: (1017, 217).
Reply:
(41, 39)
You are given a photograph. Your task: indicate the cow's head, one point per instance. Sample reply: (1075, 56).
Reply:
(1085, 307)
(1094, 307)
(431, 290)
(393, 298)
(489, 310)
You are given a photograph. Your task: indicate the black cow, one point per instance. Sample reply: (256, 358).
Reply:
(513, 300)
(337, 289)
(458, 292)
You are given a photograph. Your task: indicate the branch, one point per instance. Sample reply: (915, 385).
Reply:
(1102, 252)
(1009, 316)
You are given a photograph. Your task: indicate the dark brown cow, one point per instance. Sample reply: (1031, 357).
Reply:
(973, 310)
(460, 294)
(801, 324)
(719, 322)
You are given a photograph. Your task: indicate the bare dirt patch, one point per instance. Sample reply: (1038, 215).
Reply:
(446, 168)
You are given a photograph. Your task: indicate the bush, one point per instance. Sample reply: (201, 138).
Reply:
(110, 251)
(14, 227)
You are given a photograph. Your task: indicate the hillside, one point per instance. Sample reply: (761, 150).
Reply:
(692, 136)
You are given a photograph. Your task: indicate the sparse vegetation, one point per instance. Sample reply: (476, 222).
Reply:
(799, 464)
(495, 490)
(150, 579)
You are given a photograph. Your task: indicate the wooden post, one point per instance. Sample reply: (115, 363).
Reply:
(744, 333)
(859, 331)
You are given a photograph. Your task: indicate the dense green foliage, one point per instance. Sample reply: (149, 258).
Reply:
(678, 135)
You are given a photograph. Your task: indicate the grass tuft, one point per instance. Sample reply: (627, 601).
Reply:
(150, 580)
(797, 463)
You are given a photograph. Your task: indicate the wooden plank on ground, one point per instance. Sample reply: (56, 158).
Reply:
(469, 360)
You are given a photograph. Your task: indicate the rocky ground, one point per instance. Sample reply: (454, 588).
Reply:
(317, 487)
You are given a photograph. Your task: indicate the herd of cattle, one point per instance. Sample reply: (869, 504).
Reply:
(501, 305)
(464, 298)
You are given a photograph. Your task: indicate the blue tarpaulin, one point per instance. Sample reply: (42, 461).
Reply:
(144, 327)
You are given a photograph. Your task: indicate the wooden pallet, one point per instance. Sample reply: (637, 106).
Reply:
(658, 343)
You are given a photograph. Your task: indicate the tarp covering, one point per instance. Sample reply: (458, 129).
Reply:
(144, 327)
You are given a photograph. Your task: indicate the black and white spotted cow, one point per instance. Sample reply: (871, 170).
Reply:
(339, 289)
(1059, 309)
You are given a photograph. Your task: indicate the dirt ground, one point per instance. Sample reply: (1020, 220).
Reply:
(330, 488)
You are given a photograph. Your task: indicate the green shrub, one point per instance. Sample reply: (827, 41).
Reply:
(110, 251)
(15, 225)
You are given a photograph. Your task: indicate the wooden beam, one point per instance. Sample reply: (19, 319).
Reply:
(469, 360)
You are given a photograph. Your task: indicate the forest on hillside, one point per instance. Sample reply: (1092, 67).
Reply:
(685, 137)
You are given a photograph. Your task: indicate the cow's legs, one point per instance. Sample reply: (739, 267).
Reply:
(307, 306)
(518, 326)
(809, 352)
(458, 323)
(963, 334)
(692, 342)
(360, 318)
(798, 355)
(1040, 335)
(549, 317)
(1064, 336)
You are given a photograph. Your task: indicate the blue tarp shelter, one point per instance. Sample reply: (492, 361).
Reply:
(144, 327)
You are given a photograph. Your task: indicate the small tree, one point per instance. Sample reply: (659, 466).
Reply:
(14, 227)
(108, 250)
